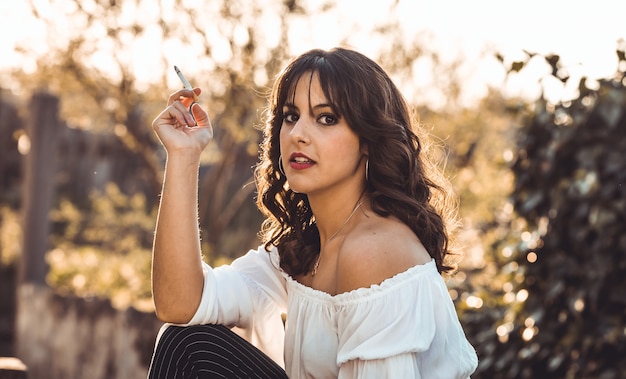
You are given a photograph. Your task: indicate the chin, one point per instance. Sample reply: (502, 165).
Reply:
(299, 187)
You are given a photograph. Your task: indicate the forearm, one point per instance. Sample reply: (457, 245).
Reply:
(177, 277)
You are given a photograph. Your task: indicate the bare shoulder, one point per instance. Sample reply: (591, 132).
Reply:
(377, 250)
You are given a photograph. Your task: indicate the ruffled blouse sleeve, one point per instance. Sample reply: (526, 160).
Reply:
(406, 327)
(249, 295)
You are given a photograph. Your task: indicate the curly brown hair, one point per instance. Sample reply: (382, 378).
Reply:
(400, 181)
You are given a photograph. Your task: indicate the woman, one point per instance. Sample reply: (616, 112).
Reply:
(355, 241)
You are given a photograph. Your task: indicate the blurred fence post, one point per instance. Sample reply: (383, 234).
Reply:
(43, 128)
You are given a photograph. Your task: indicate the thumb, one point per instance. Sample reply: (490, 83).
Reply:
(202, 118)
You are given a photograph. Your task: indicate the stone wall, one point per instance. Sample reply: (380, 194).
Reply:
(61, 337)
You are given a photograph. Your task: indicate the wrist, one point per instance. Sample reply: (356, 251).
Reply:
(183, 157)
(184, 165)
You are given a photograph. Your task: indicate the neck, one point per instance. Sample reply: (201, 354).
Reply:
(333, 215)
(324, 241)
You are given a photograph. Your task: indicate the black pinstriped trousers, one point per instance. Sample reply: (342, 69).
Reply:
(209, 351)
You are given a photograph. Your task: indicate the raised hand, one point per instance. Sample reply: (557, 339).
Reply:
(183, 126)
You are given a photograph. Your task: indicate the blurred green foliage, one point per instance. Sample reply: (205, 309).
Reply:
(104, 250)
(556, 302)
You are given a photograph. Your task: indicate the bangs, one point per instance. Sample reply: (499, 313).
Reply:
(306, 69)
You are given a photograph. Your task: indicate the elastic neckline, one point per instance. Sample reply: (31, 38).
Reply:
(365, 292)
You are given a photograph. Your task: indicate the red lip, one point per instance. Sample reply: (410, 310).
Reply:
(303, 163)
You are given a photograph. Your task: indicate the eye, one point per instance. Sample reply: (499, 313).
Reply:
(290, 117)
(327, 119)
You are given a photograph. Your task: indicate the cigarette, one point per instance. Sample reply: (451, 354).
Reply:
(185, 82)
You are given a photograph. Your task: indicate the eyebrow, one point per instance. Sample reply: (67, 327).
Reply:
(317, 106)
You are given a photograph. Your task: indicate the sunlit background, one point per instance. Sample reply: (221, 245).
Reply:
(584, 34)
(524, 102)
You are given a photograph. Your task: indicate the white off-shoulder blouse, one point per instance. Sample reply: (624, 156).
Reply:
(406, 327)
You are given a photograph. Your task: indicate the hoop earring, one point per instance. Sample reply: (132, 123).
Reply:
(280, 165)
(367, 170)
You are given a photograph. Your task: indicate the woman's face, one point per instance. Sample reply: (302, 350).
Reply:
(320, 153)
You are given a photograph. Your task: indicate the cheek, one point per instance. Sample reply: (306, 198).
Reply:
(348, 144)
(346, 150)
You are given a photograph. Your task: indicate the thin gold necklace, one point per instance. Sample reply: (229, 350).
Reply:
(317, 262)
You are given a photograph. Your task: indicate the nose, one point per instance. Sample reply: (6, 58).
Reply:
(299, 132)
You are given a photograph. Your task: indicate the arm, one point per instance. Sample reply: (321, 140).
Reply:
(177, 278)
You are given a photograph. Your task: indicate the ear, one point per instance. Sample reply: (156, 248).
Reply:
(364, 150)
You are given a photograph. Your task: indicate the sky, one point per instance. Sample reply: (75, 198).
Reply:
(585, 34)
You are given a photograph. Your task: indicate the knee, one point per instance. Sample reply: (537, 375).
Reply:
(209, 349)
(180, 338)
(179, 348)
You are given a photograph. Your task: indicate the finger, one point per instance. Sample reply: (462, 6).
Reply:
(184, 112)
(201, 116)
(185, 96)
(171, 117)
(175, 96)
(196, 92)
(179, 115)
